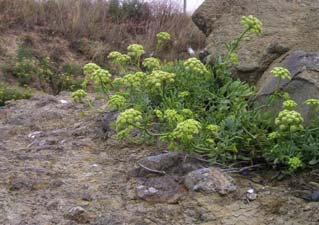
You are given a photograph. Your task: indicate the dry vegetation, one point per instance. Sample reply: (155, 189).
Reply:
(86, 22)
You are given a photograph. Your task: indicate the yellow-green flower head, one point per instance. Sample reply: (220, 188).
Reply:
(312, 102)
(183, 94)
(186, 130)
(155, 80)
(78, 95)
(117, 102)
(158, 113)
(135, 50)
(90, 68)
(289, 120)
(274, 135)
(101, 77)
(294, 163)
(119, 58)
(127, 118)
(252, 23)
(194, 65)
(152, 63)
(172, 116)
(213, 128)
(133, 80)
(234, 58)
(187, 113)
(289, 104)
(163, 36)
(281, 73)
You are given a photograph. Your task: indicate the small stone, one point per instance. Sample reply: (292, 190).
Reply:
(78, 214)
(209, 180)
(251, 194)
(87, 197)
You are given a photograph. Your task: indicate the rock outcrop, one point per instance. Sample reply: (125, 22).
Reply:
(289, 39)
(288, 26)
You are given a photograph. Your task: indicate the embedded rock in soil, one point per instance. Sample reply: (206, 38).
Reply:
(166, 177)
(209, 180)
(168, 163)
(314, 197)
(161, 189)
(78, 214)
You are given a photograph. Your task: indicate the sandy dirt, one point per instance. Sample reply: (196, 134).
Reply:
(57, 167)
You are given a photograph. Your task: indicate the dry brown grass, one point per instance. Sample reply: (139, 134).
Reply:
(85, 19)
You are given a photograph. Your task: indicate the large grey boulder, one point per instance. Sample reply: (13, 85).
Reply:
(288, 25)
(304, 83)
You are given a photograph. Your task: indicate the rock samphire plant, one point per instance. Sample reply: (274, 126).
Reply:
(198, 108)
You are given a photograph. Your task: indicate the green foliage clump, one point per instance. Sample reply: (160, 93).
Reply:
(152, 64)
(162, 39)
(203, 109)
(78, 95)
(8, 93)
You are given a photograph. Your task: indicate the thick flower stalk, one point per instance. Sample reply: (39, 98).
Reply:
(281, 73)
(194, 65)
(117, 102)
(152, 64)
(78, 95)
(252, 24)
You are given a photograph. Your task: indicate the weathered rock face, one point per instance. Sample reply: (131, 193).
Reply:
(288, 25)
(304, 83)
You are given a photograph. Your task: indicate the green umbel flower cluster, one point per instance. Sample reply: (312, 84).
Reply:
(233, 58)
(152, 64)
(294, 163)
(281, 73)
(252, 24)
(117, 102)
(90, 69)
(274, 135)
(172, 116)
(213, 128)
(133, 80)
(128, 118)
(312, 102)
(119, 58)
(157, 78)
(162, 38)
(78, 95)
(99, 76)
(289, 120)
(289, 104)
(186, 130)
(194, 65)
(135, 51)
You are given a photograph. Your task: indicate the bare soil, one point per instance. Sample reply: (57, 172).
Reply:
(56, 160)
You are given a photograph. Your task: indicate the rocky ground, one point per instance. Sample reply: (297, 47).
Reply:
(58, 167)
